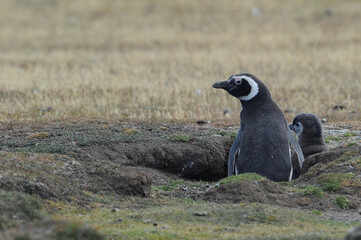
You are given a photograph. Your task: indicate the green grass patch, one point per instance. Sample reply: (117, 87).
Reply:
(43, 148)
(350, 134)
(176, 219)
(341, 202)
(228, 133)
(17, 208)
(313, 191)
(180, 138)
(331, 138)
(316, 212)
(86, 141)
(352, 144)
(240, 178)
(172, 185)
(333, 181)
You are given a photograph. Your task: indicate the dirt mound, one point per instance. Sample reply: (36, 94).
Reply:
(54, 176)
(105, 176)
(187, 160)
(333, 185)
(332, 155)
(338, 170)
(261, 191)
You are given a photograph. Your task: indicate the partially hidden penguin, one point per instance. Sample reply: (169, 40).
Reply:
(263, 142)
(308, 127)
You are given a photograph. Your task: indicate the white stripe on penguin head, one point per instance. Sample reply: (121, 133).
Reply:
(254, 88)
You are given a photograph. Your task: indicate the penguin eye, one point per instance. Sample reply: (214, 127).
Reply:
(238, 81)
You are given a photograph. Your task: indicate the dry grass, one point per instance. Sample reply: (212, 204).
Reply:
(158, 59)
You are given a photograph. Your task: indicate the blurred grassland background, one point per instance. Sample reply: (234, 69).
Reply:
(157, 59)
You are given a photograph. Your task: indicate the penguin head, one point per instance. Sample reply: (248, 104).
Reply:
(242, 86)
(307, 124)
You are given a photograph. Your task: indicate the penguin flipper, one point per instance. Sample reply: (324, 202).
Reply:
(296, 147)
(234, 152)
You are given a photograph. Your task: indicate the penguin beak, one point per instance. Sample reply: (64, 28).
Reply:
(224, 85)
(296, 128)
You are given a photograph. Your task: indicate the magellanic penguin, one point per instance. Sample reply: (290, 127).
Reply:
(308, 127)
(262, 143)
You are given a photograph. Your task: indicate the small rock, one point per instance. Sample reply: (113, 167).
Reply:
(323, 120)
(256, 12)
(198, 92)
(201, 214)
(113, 129)
(165, 227)
(115, 210)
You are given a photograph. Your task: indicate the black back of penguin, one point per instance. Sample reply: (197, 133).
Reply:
(264, 147)
(308, 127)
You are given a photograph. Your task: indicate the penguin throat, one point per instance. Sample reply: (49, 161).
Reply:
(254, 89)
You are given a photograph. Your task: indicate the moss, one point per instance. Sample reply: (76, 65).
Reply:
(180, 138)
(341, 202)
(314, 191)
(86, 141)
(240, 178)
(316, 212)
(44, 148)
(350, 134)
(16, 208)
(56, 230)
(228, 133)
(331, 138)
(351, 144)
(172, 185)
(75, 231)
(333, 181)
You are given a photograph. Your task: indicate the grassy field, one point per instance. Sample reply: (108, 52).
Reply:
(158, 59)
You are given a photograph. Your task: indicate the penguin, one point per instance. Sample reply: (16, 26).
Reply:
(308, 127)
(262, 143)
